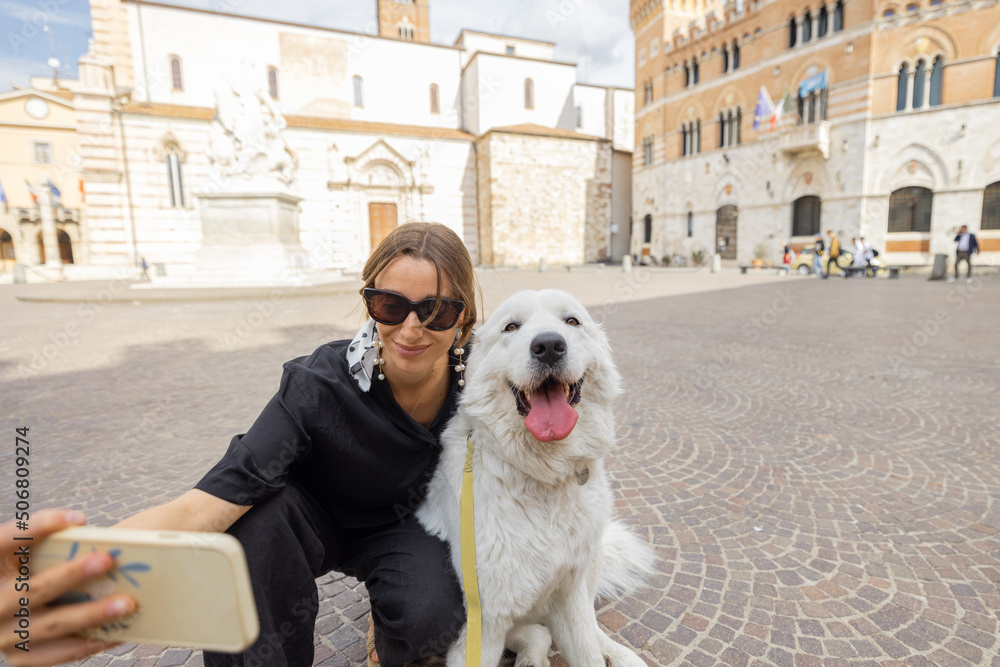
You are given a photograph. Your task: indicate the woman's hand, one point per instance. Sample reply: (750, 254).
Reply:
(47, 633)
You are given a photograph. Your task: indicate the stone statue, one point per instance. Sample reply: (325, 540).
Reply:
(245, 139)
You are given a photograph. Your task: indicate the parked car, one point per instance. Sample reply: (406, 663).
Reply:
(803, 262)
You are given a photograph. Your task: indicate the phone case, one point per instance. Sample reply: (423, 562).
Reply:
(193, 588)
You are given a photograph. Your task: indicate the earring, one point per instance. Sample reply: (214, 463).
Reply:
(378, 355)
(460, 368)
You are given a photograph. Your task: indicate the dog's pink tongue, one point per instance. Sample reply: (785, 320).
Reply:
(551, 417)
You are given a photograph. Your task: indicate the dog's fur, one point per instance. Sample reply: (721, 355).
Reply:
(546, 545)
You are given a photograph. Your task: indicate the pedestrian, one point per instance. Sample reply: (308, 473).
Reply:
(818, 249)
(787, 256)
(967, 244)
(145, 268)
(869, 252)
(859, 263)
(722, 245)
(330, 474)
(833, 253)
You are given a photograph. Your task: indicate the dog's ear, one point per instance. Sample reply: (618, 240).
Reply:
(610, 380)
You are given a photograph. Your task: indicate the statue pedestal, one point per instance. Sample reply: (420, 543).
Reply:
(249, 239)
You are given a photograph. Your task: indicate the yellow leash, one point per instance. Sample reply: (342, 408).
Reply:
(474, 618)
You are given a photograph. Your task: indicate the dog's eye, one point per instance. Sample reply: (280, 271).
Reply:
(572, 321)
(511, 326)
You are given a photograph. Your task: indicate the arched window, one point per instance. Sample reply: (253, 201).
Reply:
(722, 130)
(697, 136)
(991, 207)
(806, 216)
(736, 55)
(435, 99)
(918, 85)
(176, 78)
(910, 210)
(807, 27)
(725, 60)
(529, 94)
(902, 82)
(937, 76)
(739, 125)
(889, 13)
(912, 7)
(793, 30)
(687, 74)
(359, 92)
(272, 82)
(996, 77)
(838, 16)
(685, 143)
(823, 26)
(694, 71)
(647, 231)
(579, 116)
(6, 247)
(405, 31)
(690, 224)
(729, 132)
(175, 182)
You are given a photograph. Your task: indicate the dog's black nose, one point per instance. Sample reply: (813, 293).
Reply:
(548, 348)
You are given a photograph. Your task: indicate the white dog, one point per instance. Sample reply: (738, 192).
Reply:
(538, 406)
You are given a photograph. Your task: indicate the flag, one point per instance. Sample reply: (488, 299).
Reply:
(53, 189)
(83, 196)
(3, 198)
(31, 190)
(786, 107)
(764, 110)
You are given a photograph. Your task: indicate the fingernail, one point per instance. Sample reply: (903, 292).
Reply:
(118, 607)
(75, 517)
(95, 565)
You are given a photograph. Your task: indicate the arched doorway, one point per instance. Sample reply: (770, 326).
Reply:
(725, 231)
(6, 250)
(65, 247)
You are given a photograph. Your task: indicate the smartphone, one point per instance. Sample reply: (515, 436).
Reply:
(193, 589)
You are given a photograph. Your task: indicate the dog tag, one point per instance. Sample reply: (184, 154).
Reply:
(582, 475)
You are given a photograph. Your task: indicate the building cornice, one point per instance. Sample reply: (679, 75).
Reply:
(305, 122)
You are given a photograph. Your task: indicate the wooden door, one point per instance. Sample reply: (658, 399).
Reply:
(381, 221)
(725, 230)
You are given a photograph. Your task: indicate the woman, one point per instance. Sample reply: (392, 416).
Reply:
(331, 472)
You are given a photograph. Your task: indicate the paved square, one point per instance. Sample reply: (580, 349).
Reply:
(816, 462)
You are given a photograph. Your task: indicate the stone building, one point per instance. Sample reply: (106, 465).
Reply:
(38, 143)
(889, 129)
(365, 130)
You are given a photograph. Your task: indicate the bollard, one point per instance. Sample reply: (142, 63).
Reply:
(716, 263)
(940, 267)
(542, 265)
(19, 275)
(627, 264)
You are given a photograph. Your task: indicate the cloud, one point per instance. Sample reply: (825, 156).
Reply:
(15, 71)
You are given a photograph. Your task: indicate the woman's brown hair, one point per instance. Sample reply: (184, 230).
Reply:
(443, 248)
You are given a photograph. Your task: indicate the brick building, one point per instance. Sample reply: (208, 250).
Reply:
(890, 132)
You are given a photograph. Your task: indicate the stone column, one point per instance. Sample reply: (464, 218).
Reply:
(927, 87)
(815, 24)
(800, 30)
(910, 78)
(50, 240)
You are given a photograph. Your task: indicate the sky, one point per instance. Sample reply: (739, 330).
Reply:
(595, 34)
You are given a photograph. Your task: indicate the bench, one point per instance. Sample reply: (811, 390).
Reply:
(780, 268)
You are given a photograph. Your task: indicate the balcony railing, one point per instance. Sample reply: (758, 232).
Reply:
(813, 138)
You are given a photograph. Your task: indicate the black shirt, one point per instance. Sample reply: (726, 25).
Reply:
(359, 454)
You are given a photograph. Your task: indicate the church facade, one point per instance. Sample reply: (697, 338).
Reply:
(886, 128)
(369, 129)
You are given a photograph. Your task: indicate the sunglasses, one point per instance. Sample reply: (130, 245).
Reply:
(391, 308)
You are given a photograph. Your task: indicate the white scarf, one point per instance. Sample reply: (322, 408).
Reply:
(361, 355)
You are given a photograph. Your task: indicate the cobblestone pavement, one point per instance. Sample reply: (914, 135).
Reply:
(816, 462)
